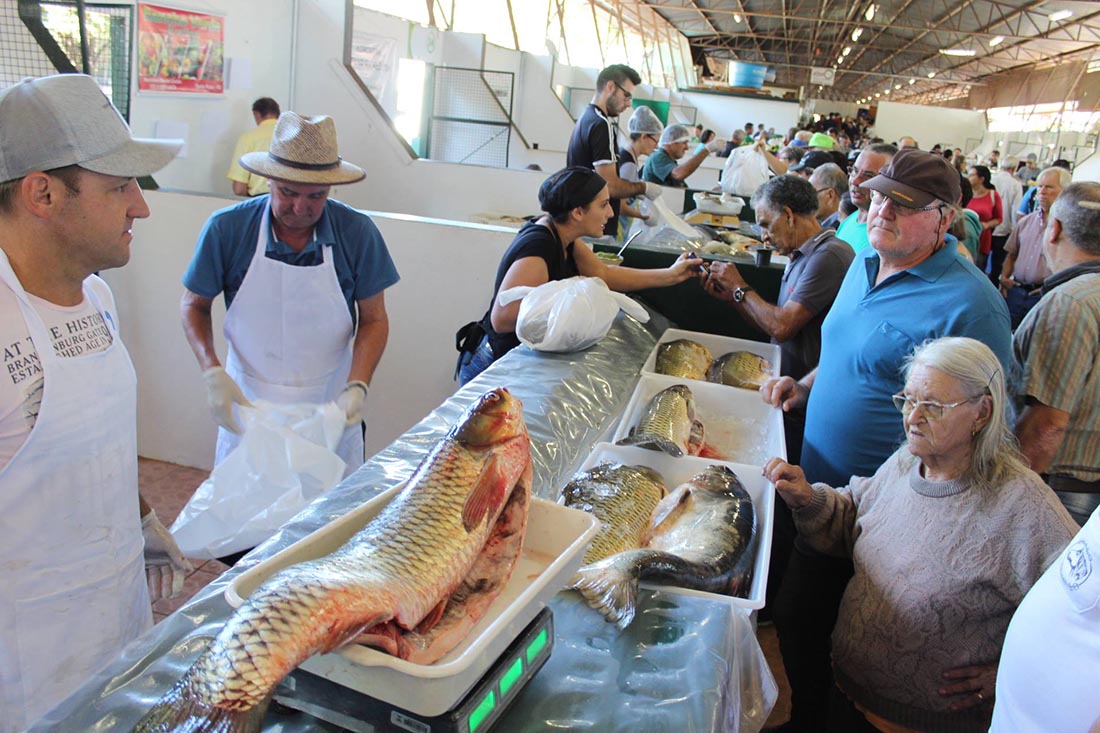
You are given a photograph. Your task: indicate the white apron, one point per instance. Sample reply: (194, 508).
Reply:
(72, 569)
(290, 339)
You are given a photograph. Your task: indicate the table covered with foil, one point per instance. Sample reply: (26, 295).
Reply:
(687, 663)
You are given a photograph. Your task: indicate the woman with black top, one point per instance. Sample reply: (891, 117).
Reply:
(577, 203)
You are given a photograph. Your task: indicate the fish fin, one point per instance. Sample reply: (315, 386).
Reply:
(609, 587)
(644, 440)
(697, 439)
(180, 711)
(433, 616)
(487, 495)
(667, 506)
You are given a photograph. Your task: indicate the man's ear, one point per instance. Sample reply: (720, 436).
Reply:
(1053, 232)
(40, 193)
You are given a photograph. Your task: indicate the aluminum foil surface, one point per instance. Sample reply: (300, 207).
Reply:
(570, 401)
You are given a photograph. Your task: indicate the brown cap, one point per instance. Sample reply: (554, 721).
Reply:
(916, 179)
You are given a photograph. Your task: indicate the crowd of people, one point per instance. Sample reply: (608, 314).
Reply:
(934, 553)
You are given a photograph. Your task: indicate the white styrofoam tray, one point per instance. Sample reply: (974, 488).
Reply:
(718, 345)
(739, 426)
(552, 551)
(679, 470)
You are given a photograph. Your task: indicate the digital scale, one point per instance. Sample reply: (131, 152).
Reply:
(476, 713)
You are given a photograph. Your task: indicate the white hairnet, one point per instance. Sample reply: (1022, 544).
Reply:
(644, 121)
(675, 134)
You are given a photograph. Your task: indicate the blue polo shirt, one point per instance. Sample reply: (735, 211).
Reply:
(852, 425)
(228, 241)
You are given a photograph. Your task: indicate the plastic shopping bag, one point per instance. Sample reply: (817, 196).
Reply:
(746, 170)
(286, 459)
(663, 224)
(568, 315)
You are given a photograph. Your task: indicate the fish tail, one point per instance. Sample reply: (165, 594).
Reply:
(181, 711)
(648, 440)
(610, 588)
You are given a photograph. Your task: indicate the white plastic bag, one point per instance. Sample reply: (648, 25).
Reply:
(746, 170)
(661, 218)
(286, 459)
(568, 315)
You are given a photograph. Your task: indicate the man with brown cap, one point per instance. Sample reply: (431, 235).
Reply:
(909, 286)
(80, 565)
(303, 277)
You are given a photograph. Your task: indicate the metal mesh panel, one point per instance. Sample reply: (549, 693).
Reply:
(471, 116)
(45, 38)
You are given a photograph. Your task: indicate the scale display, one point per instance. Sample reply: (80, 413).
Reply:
(354, 711)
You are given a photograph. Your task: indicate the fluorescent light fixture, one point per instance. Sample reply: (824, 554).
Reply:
(1059, 15)
(877, 95)
(912, 82)
(870, 14)
(897, 86)
(885, 91)
(931, 75)
(958, 52)
(736, 17)
(995, 40)
(856, 34)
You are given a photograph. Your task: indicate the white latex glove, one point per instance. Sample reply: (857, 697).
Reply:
(221, 394)
(650, 221)
(352, 401)
(653, 190)
(165, 566)
(715, 145)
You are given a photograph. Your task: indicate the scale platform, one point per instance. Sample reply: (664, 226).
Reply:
(476, 713)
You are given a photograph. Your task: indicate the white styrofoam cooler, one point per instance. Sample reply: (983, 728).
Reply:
(739, 425)
(678, 470)
(718, 345)
(552, 551)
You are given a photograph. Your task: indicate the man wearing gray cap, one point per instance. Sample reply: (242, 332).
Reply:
(909, 286)
(304, 279)
(83, 555)
(663, 166)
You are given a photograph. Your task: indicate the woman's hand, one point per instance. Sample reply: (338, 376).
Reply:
(790, 482)
(686, 266)
(970, 687)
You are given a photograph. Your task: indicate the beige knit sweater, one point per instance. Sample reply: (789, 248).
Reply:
(939, 569)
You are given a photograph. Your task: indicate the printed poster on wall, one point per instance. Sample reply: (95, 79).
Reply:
(374, 58)
(180, 51)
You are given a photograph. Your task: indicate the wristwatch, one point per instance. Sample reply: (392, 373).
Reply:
(739, 293)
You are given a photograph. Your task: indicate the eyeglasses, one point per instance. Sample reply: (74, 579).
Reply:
(861, 175)
(655, 139)
(626, 94)
(880, 199)
(932, 410)
(822, 190)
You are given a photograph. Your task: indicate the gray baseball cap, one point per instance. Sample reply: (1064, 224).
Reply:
(62, 120)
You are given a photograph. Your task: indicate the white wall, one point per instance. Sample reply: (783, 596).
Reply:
(930, 125)
(439, 291)
(215, 122)
(726, 113)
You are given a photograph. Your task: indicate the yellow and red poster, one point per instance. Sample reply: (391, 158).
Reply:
(180, 51)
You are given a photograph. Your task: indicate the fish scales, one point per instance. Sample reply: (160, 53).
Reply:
(668, 424)
(683, 358)
(702, 539)
(623, 499)
(392, 574)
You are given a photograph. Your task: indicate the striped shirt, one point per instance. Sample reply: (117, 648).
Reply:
(1057, 350)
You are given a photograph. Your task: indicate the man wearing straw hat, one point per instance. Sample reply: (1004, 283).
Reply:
(303, 277)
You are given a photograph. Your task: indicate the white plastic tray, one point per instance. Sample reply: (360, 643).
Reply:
(552, 551)
(678, 470)
(740, 426)
(718, 345)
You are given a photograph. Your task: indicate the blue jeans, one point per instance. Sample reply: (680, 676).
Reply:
(475, 363)
(1020, 301)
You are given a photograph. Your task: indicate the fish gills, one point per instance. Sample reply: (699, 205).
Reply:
(740, 369)
(683, 358)
(702, 539)
(667, 423)
(622, 498)
(466, 499)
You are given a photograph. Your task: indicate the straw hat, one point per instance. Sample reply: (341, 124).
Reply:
(303, 150)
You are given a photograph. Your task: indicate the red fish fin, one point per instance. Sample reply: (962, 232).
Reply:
(486, 496)
(180, 711)
(433, 616)
(697, 439)
(372, 627)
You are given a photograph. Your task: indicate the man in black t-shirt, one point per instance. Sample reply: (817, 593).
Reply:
(593, 145)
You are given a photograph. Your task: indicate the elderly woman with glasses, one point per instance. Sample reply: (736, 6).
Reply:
(946, 538)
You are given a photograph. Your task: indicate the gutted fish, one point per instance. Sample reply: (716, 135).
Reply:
(702, 538)
(683, 358)
(668, 424)
(740, 369)
(623, 499)
(414, 581)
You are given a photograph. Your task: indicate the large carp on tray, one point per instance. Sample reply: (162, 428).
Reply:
(702, 538)
(414, 581)
(668, 424)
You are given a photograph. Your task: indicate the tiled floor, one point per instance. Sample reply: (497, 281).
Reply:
(167, 487)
